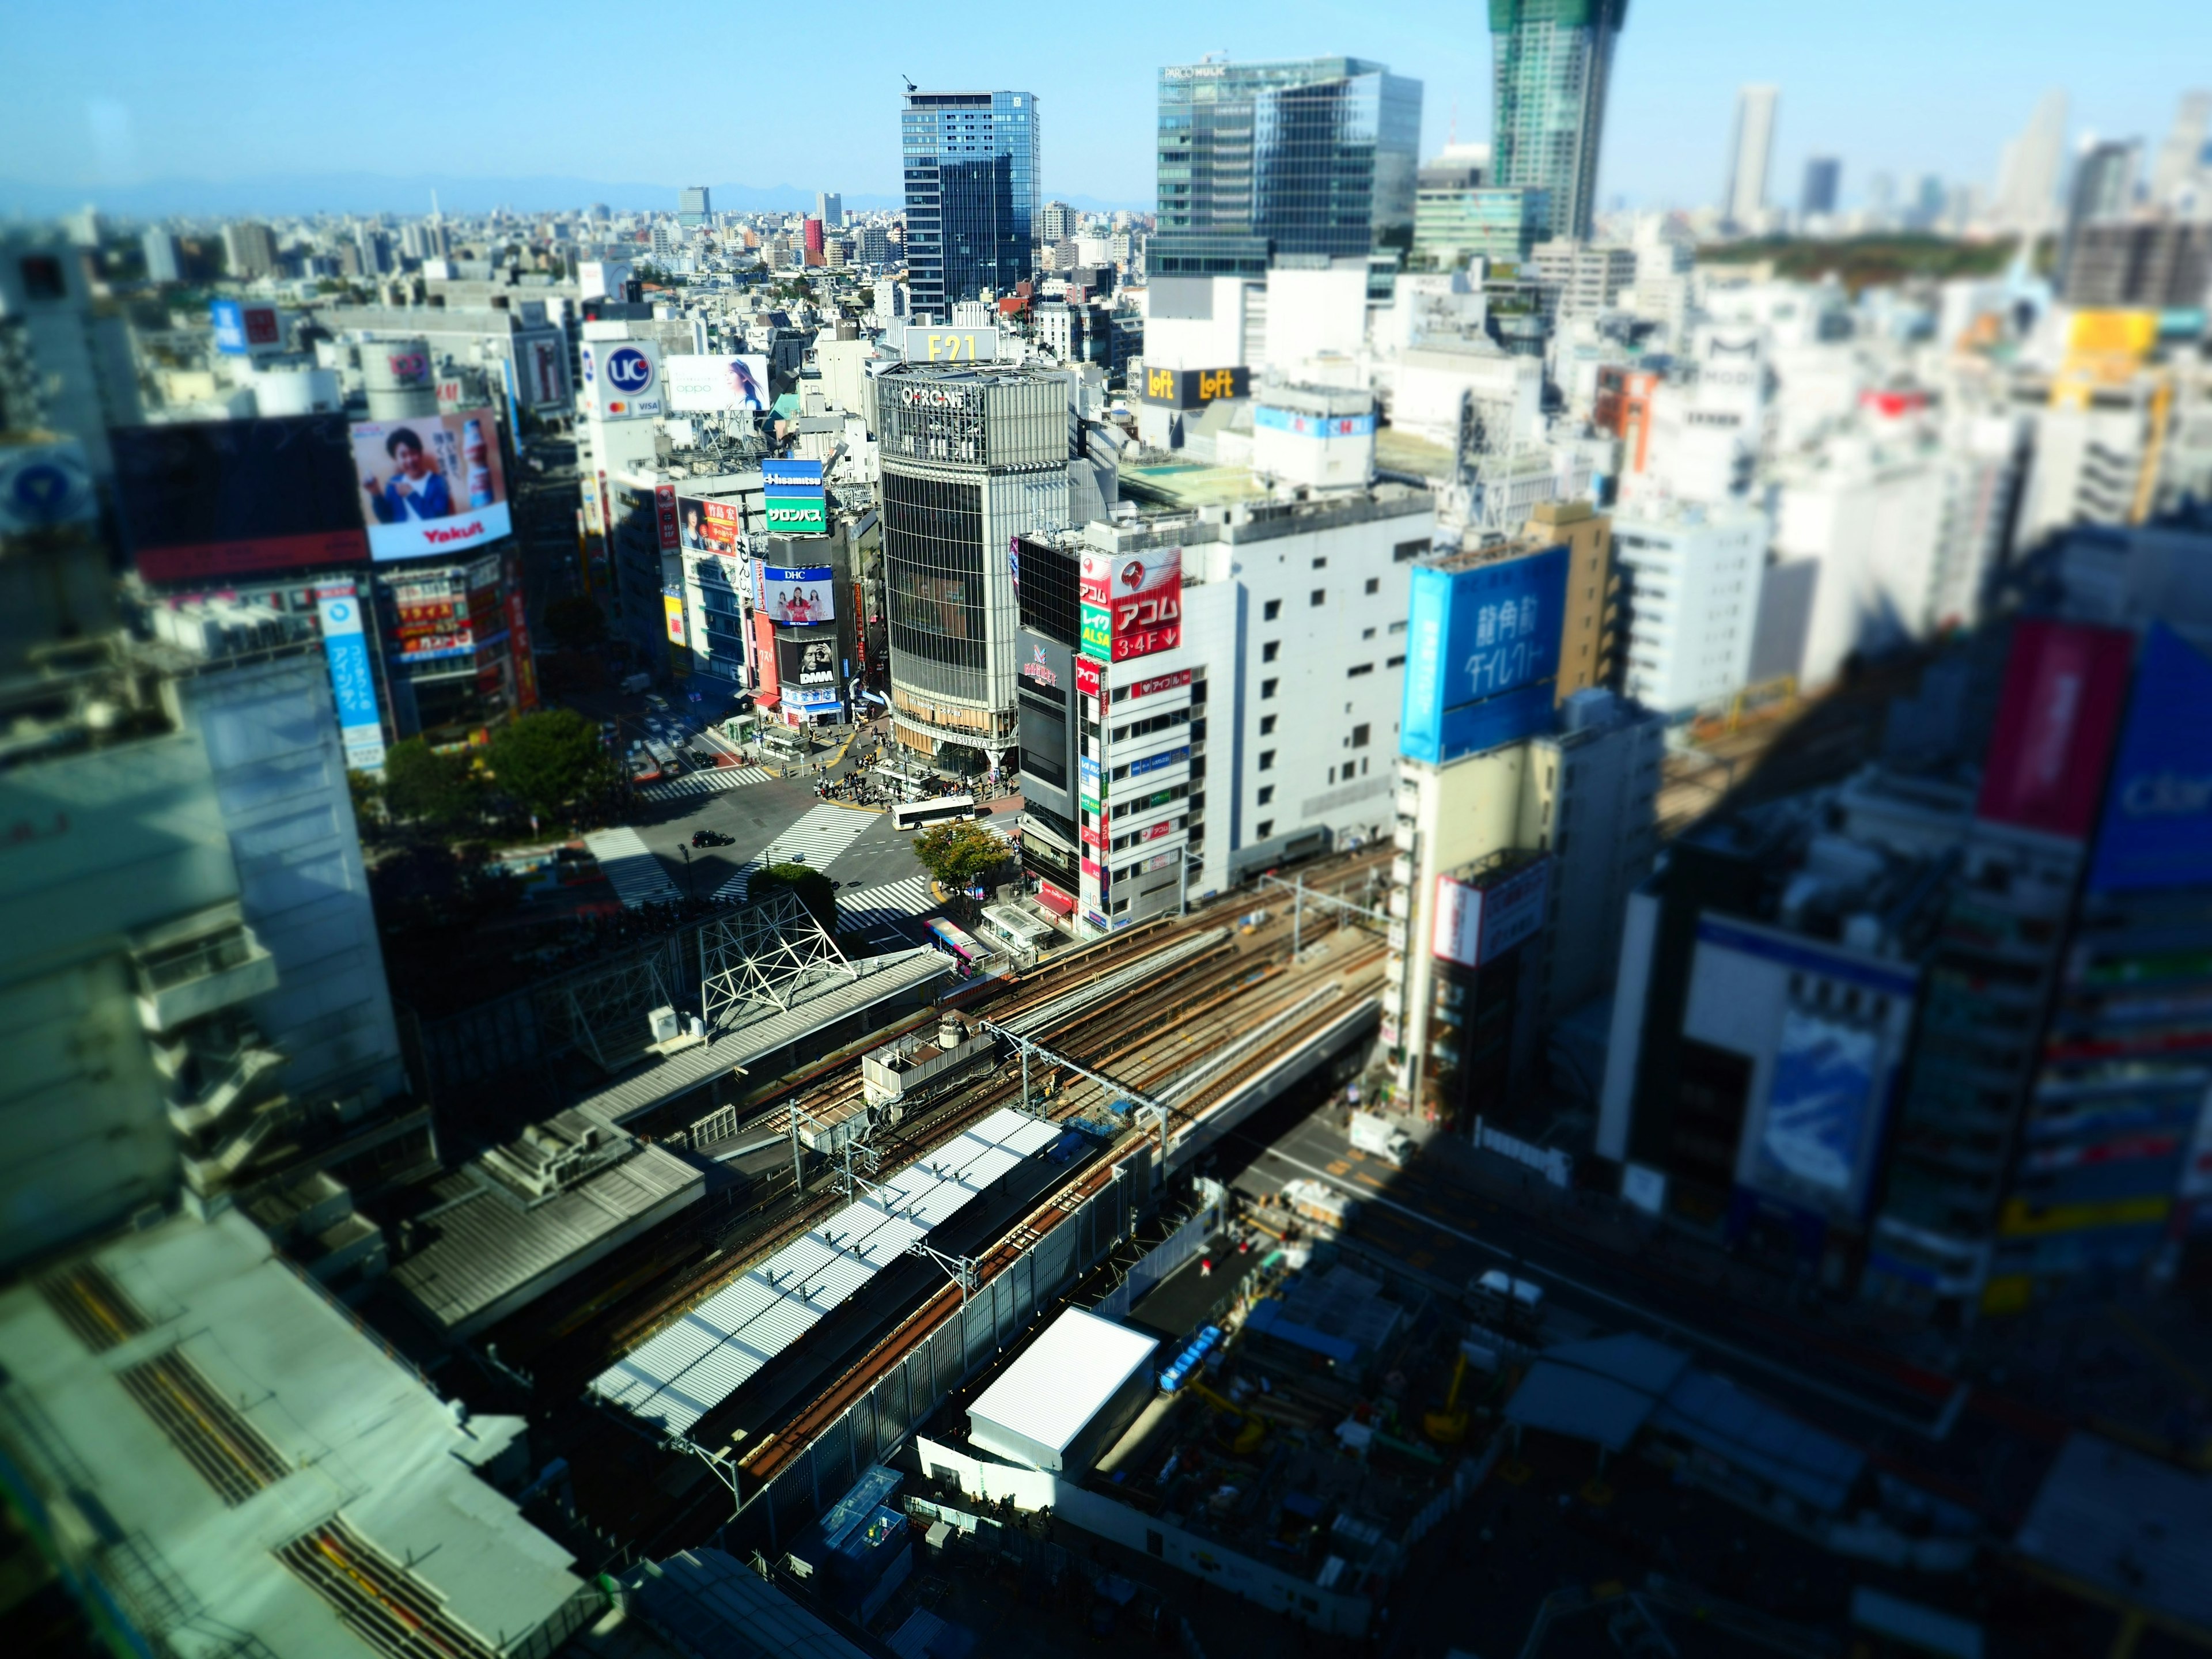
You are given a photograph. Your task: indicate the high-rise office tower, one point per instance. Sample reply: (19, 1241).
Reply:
(2180, 170)
(694, 206)
(829, 208)
(2027, 180)
(1055, 223)
(248, 251)
(1551, 62)
(1824, 176)
(972, 160)
(1315, 157)
(1749, 149)
(2104, 185)
(162, 262)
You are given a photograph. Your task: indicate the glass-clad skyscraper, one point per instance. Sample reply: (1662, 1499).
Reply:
(1551, 62)
(1312, 157)
(971, 195)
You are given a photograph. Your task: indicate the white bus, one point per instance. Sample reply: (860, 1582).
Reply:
(913, 814)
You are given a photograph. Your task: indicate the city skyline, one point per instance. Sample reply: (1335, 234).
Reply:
(128, 129)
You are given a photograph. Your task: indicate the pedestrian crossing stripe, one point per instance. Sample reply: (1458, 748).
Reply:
(877, 907)
(705, 781)
(639, 878)
(816, 839)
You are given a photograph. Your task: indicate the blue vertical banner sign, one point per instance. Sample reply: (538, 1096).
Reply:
(353, 680)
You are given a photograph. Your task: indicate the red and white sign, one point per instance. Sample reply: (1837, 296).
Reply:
(1088, 674)
(1093, 837)
(1143, 593)
(1054, 900)
(2064, 686)
(1157, 831)
(663, 507)
(1477, 924)
(1160, 682)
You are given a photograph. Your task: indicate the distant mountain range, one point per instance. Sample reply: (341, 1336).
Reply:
(295, 194)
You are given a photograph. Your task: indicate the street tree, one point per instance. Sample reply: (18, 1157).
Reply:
(959, 853)
(546, 760)
(429, 787)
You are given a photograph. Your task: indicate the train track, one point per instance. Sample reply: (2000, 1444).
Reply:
(774, 1452)
(1199, 998)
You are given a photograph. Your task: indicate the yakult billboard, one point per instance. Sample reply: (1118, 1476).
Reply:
(433, 484)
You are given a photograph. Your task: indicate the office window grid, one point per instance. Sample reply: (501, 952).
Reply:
(933, 560)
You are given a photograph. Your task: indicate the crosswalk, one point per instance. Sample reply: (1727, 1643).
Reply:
(707, 781)
(816, 839)
(624, 858)
(875, 908)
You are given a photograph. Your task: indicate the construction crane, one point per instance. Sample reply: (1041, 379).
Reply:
(1255, 1426)
(1448, 1427)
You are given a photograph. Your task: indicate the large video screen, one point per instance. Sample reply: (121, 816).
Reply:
(204, 501)
(432, 483)
(795, 595)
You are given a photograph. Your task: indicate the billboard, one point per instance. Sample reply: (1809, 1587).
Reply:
(1193, 388)
(801, 513)
(622, 380)
(1087, 775)
(1483, 651)
(1158, 683)
(430, 618)
(805, 662)
(2063, 686)
(1090, 675)
(432, 483)
(705, 524)
(241, 329)
(2157, 832)
(353, 681)
(950, 345)
(803, 475)
(709, 383)
(672, 612)
(1822, 1088)
(1302, 424)
(1132, 602)
(202, 499)
(1477, 924)
(796, 595)
(541, 369)
(43, 486)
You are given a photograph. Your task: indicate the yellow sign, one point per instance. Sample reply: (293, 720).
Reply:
(2021, 1219)
(951, 346)
(2126, 333)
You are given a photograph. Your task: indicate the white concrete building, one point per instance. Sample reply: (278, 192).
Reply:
(1690, 579)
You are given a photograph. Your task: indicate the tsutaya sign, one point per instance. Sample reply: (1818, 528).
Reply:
(951, 345)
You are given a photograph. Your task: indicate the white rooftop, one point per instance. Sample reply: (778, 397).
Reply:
(1060, 1383)
(685, 1370)
(222, 1449)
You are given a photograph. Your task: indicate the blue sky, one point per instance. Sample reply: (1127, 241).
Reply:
(110, 93)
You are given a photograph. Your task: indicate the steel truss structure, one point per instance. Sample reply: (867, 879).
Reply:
(761, 955)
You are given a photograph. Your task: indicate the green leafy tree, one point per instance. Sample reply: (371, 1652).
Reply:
(543, 761)
(959, 853)
(422, 784)
(368, 791)
(815, 890)
(576, 622)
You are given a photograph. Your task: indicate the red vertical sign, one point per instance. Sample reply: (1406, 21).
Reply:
(2063, 687)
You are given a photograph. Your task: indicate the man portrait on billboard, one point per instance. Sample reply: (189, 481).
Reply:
(417, 488)
(746, 389)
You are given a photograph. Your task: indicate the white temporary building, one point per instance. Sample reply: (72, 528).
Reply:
(1067, 1396)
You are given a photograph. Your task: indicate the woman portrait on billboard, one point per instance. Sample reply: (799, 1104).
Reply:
(747, 390)
(417, 488)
